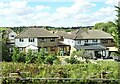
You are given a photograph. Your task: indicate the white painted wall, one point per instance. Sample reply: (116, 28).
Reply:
(25, 43)
(12, 39)
(107, 53)
(77, 42)
(69, 42)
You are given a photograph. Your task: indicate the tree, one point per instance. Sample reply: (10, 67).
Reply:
(107, 27)
(50, 58)
(15, 54)
(4, 50)
(117, 22)
(82, 53)
(30, 56)
(79, 53)
(41, 55)
(5, 53)
(117, 39)
(18, 56)
(101, 26)
(71, 60)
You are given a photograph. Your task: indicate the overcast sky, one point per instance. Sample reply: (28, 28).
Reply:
(56, 13)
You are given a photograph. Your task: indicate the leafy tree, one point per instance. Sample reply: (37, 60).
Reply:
(79, 53)
(117, 22)
(30, 56)
(101, 26)
(50, 59)
(18, 56)
(41, 55)
(15, 54)
(83, 54)
(5, 53)
(21, 57)
(107, 27)
(71, 60)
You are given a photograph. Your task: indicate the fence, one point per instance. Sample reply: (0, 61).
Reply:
(10, 80)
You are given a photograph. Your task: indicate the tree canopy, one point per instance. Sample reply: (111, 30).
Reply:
(117, 22)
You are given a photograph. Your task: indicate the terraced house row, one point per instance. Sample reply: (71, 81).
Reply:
(97, 42)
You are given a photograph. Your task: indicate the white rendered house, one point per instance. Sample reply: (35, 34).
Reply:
(90, 40)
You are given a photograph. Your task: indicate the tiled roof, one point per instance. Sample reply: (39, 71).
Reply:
(62, 33)
(90, 34)
(93, 34)
(35, 32)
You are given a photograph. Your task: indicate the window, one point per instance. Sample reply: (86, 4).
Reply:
(79, 42)
(12, 35)
(112, 40)
(104, 41)
(21, 40)
(43, 39)
(31, 39)
(52, 48)
(52, 39)
(86, 41)
(21, 49)
(94, 40)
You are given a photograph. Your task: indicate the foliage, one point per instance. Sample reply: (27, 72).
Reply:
(5, 53)
(30, 57)
(101, 26)
(83, 54)
(117, 22)
(107, 27)
(79, 53)
(40, 57)
(18, 56)
(112, 28)
(86, 70)
(4, 50)
(71, 60)
(50, 59)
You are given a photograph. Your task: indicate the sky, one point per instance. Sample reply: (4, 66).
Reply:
(57, 13)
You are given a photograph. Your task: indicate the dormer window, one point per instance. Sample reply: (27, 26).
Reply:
(21, 40)
(31, 39)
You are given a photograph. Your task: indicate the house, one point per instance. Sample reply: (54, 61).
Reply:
(37, 39)
(96, 42)
(64, 49)
(10, 35)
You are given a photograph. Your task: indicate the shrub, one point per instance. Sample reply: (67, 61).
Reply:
(71, 60)
(49, 59)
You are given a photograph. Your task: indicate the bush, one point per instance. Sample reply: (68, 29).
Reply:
(71, 60)
(49, 59)
(86, 70)
(18, 56)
